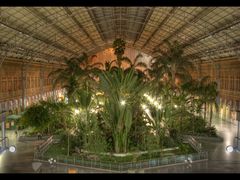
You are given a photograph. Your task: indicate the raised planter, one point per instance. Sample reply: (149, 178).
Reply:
(130, 166)
(31, 138)
(135, 153)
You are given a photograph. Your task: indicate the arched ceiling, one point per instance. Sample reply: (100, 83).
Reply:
(50, 33)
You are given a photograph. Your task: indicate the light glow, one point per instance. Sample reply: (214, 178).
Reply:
(144, 106)
(123, 102)
(76, 111)
(229, 149)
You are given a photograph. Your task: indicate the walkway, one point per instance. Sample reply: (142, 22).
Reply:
(19, 161)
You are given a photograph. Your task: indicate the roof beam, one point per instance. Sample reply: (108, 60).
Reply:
(171, 12)
(36, 36)
(189, 22)
(144, 24)
(210, 33)
(216, 50)
(69, 12)
(59, 29)
(9, 47)
(90, 13)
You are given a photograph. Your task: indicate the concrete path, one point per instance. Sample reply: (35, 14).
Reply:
(19, 161)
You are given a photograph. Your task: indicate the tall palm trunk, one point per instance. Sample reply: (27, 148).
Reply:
(117, 142)
(205, 110)
(68, 149)
(211, 112)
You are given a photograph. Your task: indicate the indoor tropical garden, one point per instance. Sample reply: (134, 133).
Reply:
(125, 110)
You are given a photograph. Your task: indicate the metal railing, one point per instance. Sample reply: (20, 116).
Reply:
(4, 143)
(193, 142)
(42, 148)
(125, 167)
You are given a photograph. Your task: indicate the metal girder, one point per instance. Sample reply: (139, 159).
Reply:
(190, 22)
(36, 36)
(59, 29)
(144, 25)
(113, 23)
(9, 47)
(113, 19)
(217, 30)
(69, 12)
(120, 20)
(171, 12)
(90, 13)
(22, 40)
(216, 50)
(3, 58)
(226, 45)
(221, 46)
(107, 32)
(103, 18)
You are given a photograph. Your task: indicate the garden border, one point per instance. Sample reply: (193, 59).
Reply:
(129, 166)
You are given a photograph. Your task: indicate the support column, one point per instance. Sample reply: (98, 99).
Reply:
(53, 88)
(199, 70)
(228, 113)
(238, 131)
(224, 109)
(3, 118)
(217, 79)
(41, 82)
(23, 77)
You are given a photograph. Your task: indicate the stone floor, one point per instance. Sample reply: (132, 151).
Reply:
(219, 160)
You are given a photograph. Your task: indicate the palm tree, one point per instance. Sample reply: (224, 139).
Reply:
(72, 77)
(211, 96)
(108, 65)
(141, 68)
(122, 90)
(205, 91)
(119, 46)
(171, 64)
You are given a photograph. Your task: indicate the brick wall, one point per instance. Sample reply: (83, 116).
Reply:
(15, 75)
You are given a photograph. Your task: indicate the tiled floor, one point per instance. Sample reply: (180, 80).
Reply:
(219, 159)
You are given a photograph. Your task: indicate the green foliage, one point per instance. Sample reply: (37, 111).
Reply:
(47, 116)
(84, 97)
(120, 87)
(186, 149)
(36, 116)
(209, 131)
(171, 64)
(96, 141)
(39, 116)
(119, 123)
(77, 72)
(56, 150)
(119, 48)
(169, 142)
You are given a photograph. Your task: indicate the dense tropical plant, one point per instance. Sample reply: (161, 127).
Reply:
(125, 109)
(204, 92)
(171, 64)
(119, 46)
(121, 90)
(78, 70)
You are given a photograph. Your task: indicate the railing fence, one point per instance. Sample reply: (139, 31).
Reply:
(124, 167)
